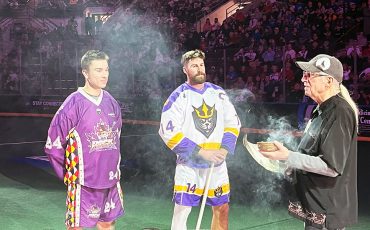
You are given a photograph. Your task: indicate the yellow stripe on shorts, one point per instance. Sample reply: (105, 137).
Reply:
(200, 191)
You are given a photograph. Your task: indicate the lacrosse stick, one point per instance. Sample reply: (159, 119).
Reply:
(205, 195)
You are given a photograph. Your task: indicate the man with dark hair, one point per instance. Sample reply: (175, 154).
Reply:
(83, 146)
(325, 165)
(200, 125)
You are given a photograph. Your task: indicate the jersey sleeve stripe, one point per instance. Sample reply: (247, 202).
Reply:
(232, 130)
(210, 145)
(175, 140)
(167, 105)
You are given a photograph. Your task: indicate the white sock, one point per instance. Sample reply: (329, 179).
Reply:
(180, 217)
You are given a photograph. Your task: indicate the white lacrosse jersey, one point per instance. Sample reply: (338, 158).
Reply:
(193, 119)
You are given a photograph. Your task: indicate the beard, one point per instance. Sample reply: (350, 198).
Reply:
(199, 78)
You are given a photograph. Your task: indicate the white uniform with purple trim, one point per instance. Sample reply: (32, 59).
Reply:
(193, 119)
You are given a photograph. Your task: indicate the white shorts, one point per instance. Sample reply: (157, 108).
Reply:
(190, 183)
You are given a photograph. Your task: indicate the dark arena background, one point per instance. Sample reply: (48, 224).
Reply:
(250, 51)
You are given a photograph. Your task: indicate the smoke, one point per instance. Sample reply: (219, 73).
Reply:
(282, 132)
(141, 63)
(275, 189)
(241, 99)
(240, 95)
(251, 183)
(143, 71)
(150, 170)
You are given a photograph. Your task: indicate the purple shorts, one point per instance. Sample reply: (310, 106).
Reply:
(87, 206)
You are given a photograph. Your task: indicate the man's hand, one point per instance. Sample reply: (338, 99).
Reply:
(281, 154)
(216, 156)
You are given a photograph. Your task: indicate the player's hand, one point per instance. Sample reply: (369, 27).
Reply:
(215, 156)
(224, 152)
(281, 154)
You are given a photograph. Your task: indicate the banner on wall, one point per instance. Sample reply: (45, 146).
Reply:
(52, 105)
(255, 114)
(49, 105)
(364, 121)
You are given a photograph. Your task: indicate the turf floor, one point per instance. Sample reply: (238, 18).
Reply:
(32, 198)
(32, 206)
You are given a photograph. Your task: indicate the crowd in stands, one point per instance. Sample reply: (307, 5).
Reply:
(55, 8)
(269, 39)
(36, 48)
(261, 43)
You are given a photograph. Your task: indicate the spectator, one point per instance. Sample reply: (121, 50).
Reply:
(98, 25)
(347, 74)
(302, 53)
(353, 50)
(240, 54)
(231, 75)
(295, 94)
(268, 55)
(89, 24)
(290, 51)
(288, 73)
(216, 25)
(250, 55)
(365, 74)
(207, 26)
(239, 83)
(364, 97)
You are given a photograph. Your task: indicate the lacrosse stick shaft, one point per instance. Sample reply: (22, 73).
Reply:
(205, 195)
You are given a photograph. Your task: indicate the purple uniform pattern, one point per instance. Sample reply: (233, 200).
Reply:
(84, 140)
(86, 206)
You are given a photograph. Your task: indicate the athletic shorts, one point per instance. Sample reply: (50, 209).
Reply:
(87, 206)
(190, 183)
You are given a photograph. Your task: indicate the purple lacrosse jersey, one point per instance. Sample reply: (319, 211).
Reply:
(84, 140)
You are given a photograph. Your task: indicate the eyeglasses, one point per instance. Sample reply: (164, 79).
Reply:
(310, 75)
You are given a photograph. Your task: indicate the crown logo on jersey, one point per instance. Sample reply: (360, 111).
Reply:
(205, 118)
(103, 137)
(204, 111)
(103, 131)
